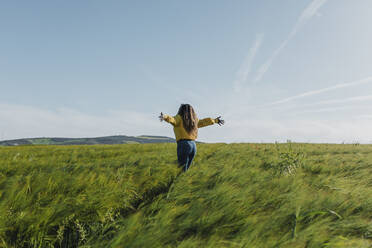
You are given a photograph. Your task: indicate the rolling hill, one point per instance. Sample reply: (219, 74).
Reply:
(107, 140)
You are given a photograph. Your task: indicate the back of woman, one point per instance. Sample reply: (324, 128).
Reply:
(185, 127)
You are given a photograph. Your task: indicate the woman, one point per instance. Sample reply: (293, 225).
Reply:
(185, 127)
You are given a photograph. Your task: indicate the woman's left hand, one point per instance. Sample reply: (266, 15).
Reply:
(220, 121)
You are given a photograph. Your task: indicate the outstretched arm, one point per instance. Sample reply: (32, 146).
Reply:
(168, 118)
(209, 121)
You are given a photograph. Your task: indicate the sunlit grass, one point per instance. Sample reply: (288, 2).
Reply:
(236, 195)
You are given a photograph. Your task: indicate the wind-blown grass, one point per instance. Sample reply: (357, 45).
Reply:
(236, 195)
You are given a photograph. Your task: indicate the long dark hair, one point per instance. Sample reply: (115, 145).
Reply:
(189, 118)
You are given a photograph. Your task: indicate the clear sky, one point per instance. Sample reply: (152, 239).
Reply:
(275, 70)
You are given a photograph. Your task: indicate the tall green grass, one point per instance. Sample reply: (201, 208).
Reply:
(236, 195)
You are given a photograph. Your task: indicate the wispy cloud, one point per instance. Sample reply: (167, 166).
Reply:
(332, 109)
(323, 90)
(364, 117)
(351, 100)
(19, 121)
(25, 121)
(299, 130)
(246, 66)
(311, 10)
(345, 100)
(306, 15)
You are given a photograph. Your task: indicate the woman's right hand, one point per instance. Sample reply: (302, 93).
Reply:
(220, 121)
(161, 116)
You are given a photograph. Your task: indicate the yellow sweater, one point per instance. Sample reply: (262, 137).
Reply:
(179, 130)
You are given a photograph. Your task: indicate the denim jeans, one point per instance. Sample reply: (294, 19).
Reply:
(186, 150)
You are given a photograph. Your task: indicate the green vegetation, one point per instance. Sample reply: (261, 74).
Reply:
(236, 195)
(108, 140)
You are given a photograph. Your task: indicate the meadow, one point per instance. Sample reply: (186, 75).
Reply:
(234, 195)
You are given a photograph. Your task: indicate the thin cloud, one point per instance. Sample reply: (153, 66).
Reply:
(345, 100)
(311, 10)
(21, 121)
(331, 109)
(298, 130)
(26, 121)
(354, 99)
(246, 67)
(306, 15)
(320, 91)
(364, 117)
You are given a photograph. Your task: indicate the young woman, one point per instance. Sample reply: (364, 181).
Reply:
(185, 127)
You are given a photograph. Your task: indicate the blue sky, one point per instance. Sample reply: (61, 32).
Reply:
(275, 70)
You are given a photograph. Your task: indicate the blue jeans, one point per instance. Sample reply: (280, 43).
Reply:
(186, 150)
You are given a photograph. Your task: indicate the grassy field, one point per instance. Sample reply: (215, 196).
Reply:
(235, 195)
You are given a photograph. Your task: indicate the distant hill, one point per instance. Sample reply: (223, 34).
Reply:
(108, 140)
